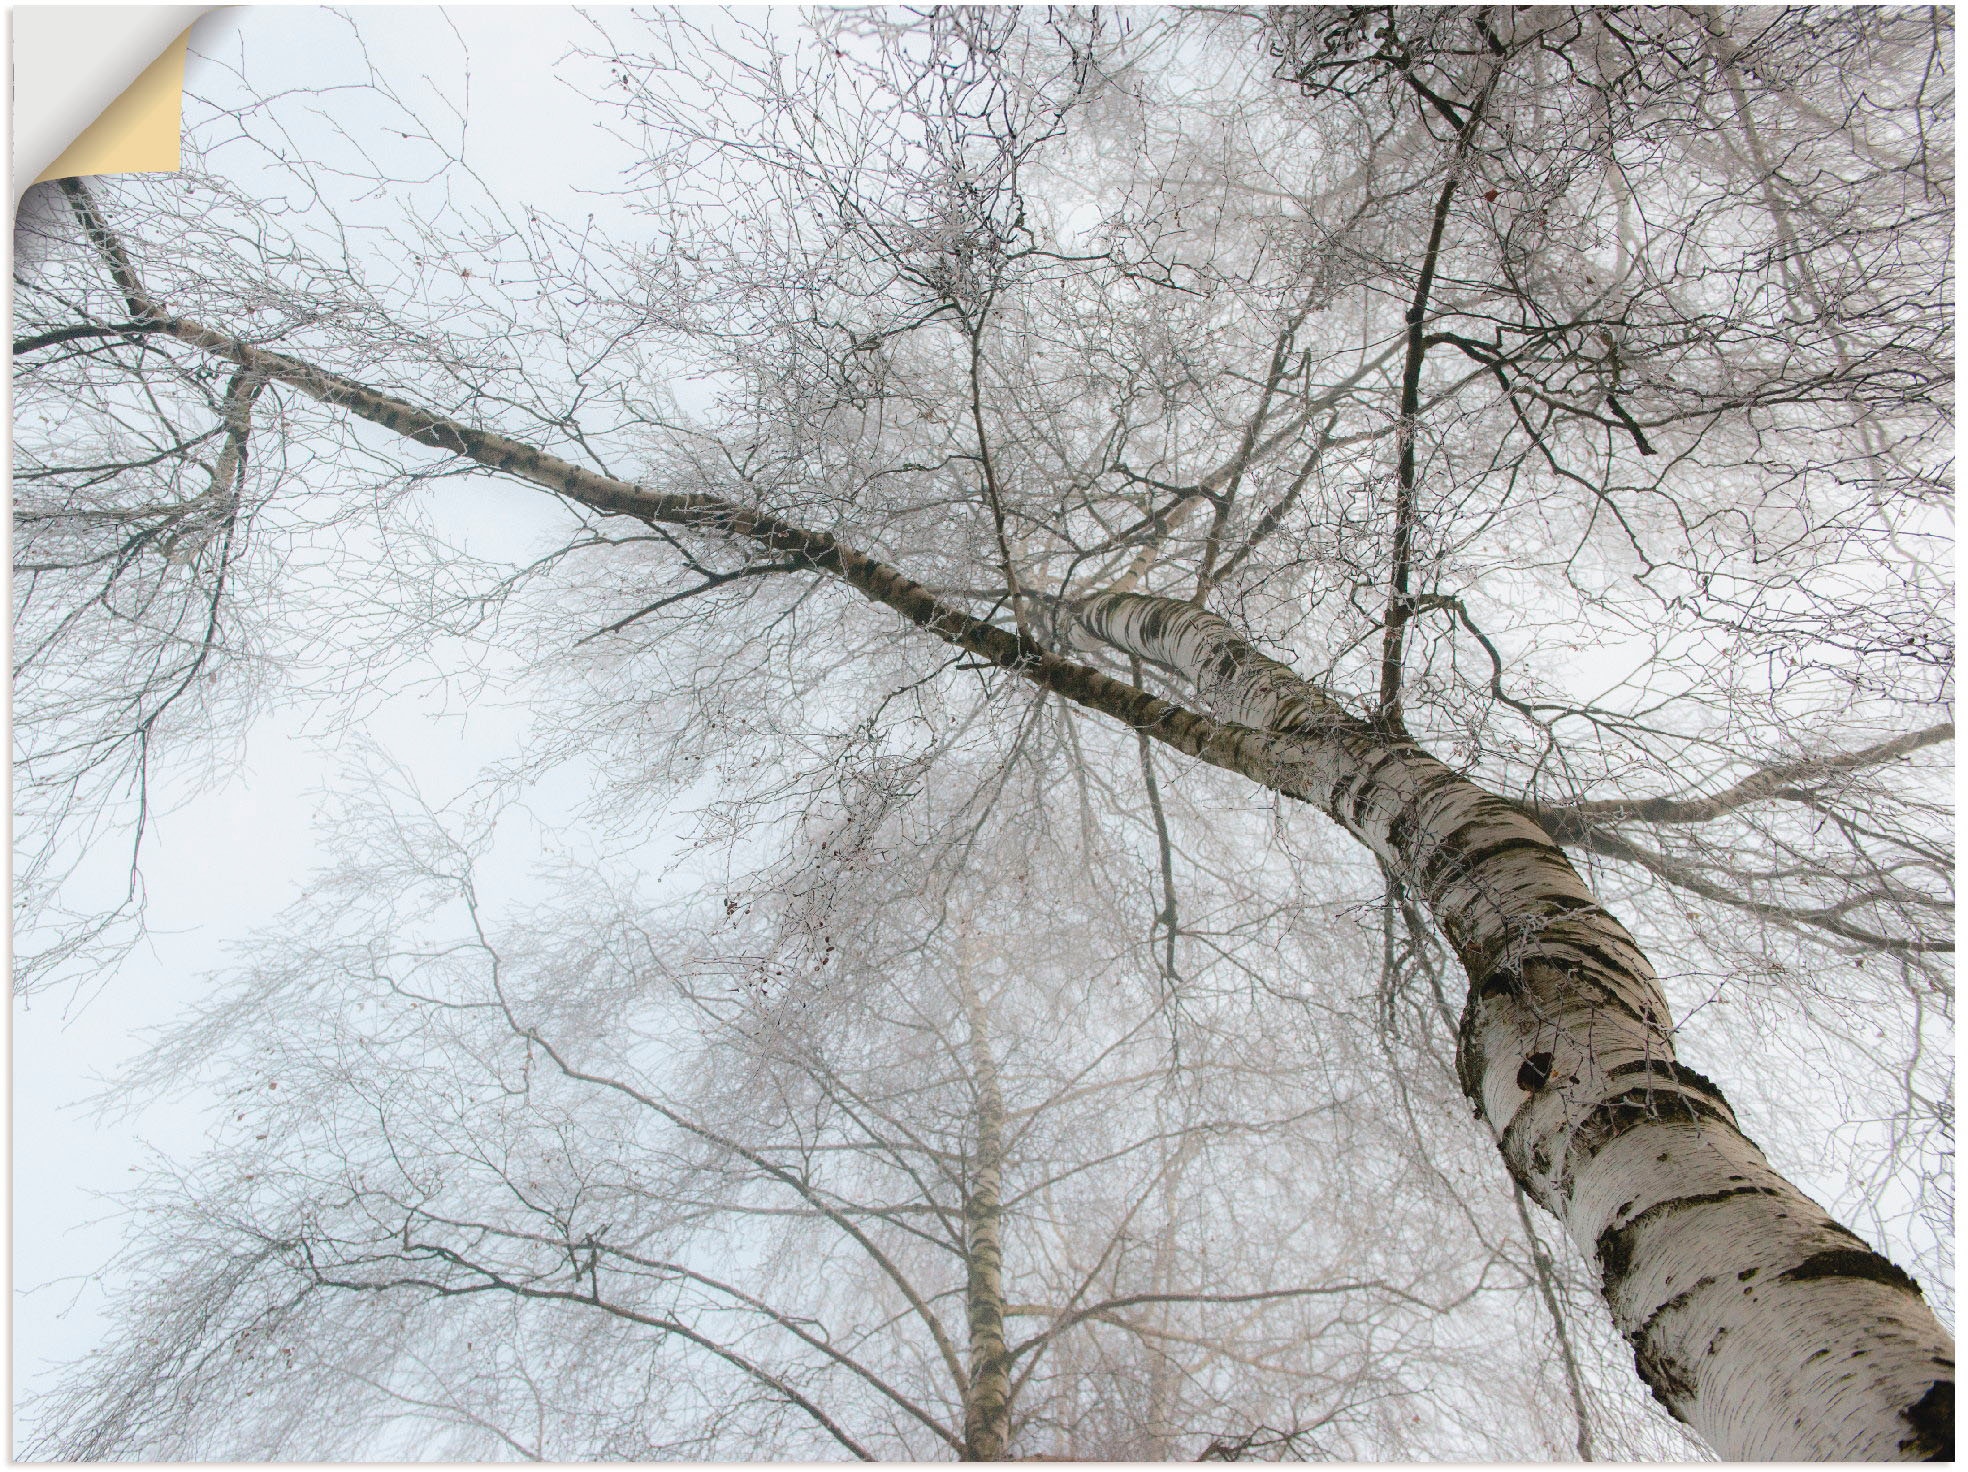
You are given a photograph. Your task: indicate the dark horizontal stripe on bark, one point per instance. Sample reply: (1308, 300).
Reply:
(1355, 813)
(1505, 968)
(1614, 1249)
(1510, 1143)
(1401, 832)
(1607, 1121)
(1675, 1073)
(1569, 904)
(1435, 778)
(1502, 969)
(1341, 788)
(1451, 861)
(1534, 1074)
(1643, 1337)
(1500, 974)
(1592, 958)
(1851, 1262)
(1553, 937)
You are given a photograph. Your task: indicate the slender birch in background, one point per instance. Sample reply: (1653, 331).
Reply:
(1416, 344)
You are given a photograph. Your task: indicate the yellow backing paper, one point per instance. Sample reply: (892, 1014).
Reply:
(138, 133)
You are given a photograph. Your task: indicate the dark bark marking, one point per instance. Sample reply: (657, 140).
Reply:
(1535, 1073)
(1680, 1300)
(1580, 973)
(1614, 1248)
(1666, 1377)
(1401, 830)
(1932, 1420)
(1845, 1231)
(1846, 1262)
(1470, 1060)
(1569, 904)
(1608, 997)
(1449, 856)
(1636, 1107)
(1434, 780)
(1595, 957)
(1370, 783)
(1677, 1073)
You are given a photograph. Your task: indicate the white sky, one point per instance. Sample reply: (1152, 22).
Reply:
(224, 859)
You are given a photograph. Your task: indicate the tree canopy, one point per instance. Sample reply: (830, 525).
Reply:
(1198, 592)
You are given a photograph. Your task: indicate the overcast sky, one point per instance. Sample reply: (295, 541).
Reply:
(225, 856)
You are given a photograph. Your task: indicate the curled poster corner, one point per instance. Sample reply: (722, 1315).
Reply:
(98, 89)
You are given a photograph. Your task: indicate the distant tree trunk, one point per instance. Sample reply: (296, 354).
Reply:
(987, 1398)
(1772, 1330)
(1160, 1429)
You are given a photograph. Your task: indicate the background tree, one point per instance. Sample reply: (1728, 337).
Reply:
(1470, 358)
(608, 1183)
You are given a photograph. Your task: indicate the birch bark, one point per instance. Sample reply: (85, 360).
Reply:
(1754, 1317)
(987, 1397)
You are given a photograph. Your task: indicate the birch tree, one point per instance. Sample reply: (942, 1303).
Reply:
(1518, 435)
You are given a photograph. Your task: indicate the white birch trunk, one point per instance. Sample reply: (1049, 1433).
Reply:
(1773, 1331)
(987, 1397)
